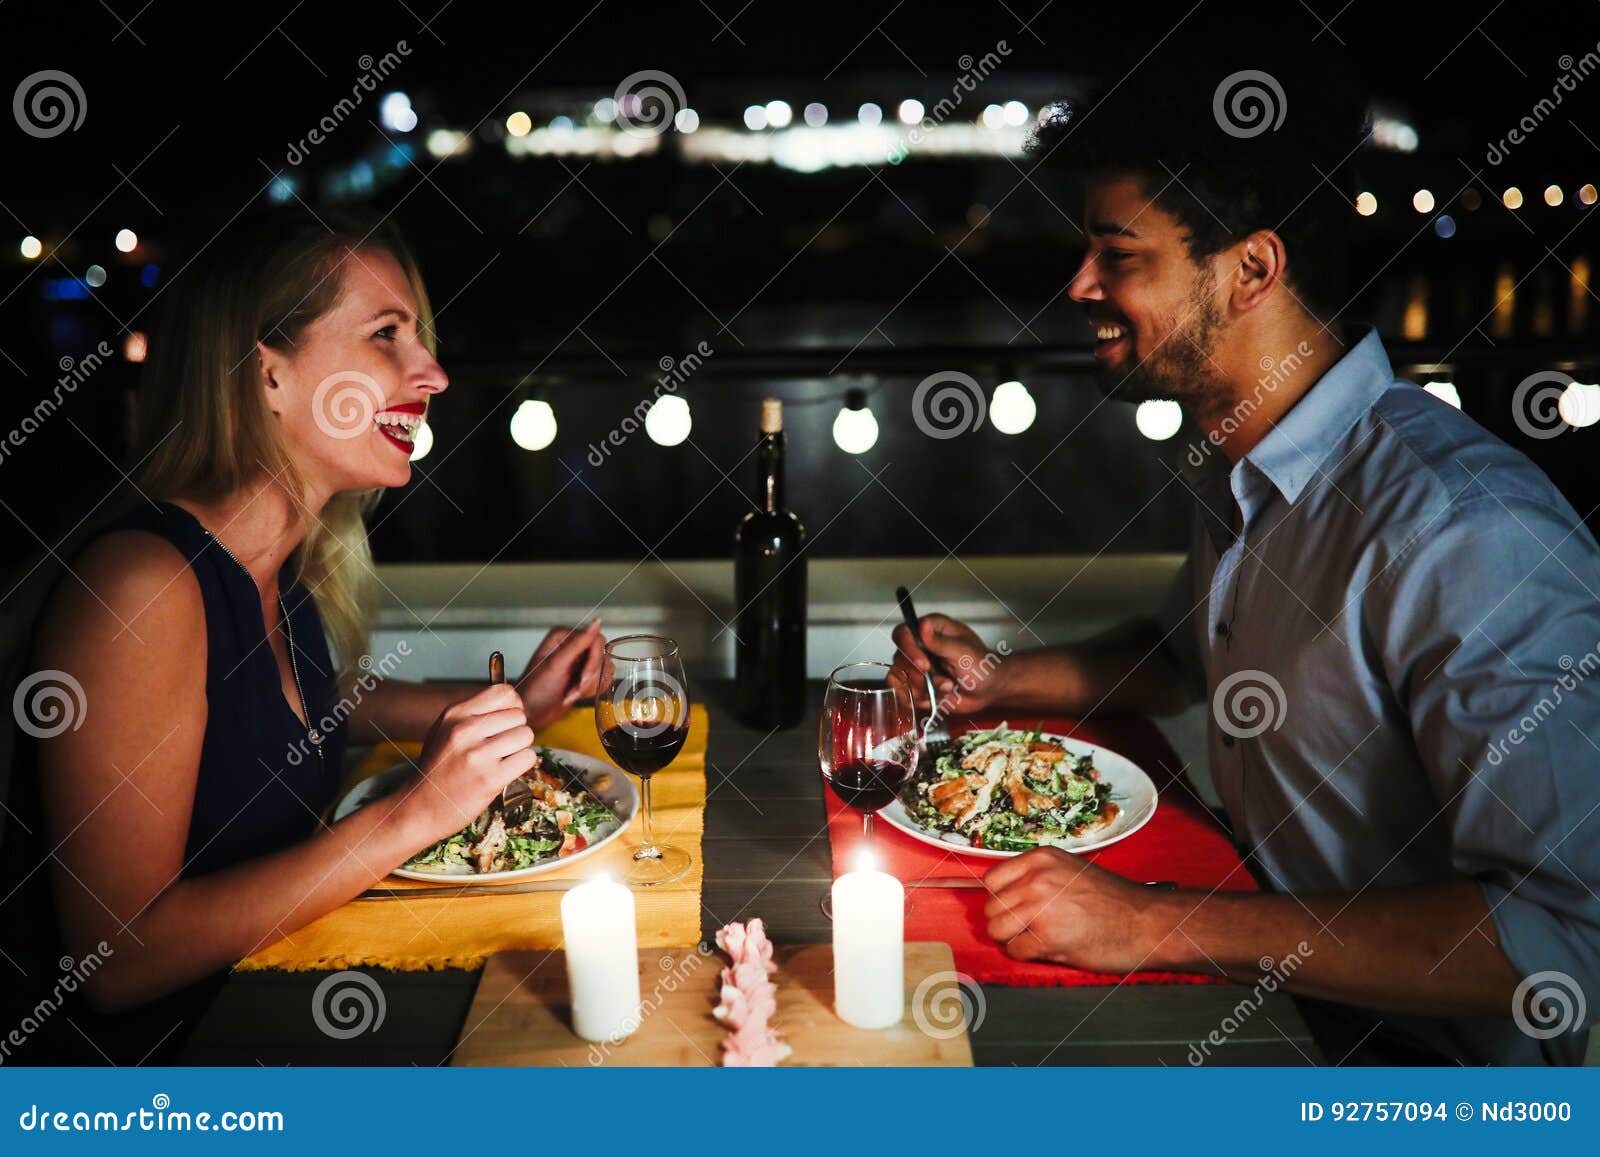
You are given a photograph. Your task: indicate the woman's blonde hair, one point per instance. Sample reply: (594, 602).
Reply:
(203, 428)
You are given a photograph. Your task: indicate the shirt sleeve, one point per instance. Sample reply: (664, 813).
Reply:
(1489, 631)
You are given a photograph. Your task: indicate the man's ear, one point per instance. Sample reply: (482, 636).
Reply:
(274, 371)
(1260, 265)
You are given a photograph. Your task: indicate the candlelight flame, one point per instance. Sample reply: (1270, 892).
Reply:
(866, 861)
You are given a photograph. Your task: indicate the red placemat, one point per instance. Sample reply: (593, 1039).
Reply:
(1182, 842)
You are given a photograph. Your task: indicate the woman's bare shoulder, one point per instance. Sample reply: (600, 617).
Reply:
(126, 585)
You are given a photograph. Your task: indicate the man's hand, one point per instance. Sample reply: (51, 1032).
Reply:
(564, 669)
(970, 685)
(1050, 905)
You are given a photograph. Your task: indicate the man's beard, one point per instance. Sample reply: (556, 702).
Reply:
(1180, 369)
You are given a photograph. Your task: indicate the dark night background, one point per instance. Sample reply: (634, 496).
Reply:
(573, 276)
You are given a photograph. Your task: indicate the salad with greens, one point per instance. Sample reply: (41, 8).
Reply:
(562, 818)
(1009, 790)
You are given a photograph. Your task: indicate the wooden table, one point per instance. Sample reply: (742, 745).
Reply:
(766, 854)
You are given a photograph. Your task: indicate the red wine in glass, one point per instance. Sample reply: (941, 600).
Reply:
(869, 785)
(642, 718)
(635, 750)
(867, 740)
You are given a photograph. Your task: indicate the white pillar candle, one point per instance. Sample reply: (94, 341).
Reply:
(869, 949)
(597, 923)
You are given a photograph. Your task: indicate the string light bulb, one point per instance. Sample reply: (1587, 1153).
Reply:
(1158, 419)
(423, 442)
(1445, 391)
(855, 430)
(1012, 408)
(533, 426)
(1579, 405)
(668, 420)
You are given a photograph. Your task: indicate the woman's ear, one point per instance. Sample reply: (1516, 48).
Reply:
(274, 370)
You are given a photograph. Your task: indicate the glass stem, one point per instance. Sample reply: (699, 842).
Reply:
(866, 827)
(649, 846)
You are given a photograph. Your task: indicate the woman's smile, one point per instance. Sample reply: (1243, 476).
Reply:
(399, 424)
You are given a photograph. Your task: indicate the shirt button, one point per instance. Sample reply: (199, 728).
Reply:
(1227, 741)
(1222, 629)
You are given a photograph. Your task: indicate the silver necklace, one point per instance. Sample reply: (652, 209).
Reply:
(313, 736)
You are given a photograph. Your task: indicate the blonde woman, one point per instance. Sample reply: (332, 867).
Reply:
(183, 813)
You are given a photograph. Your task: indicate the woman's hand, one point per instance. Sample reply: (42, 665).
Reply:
(971, 684)
(564, 669)
(473, 750)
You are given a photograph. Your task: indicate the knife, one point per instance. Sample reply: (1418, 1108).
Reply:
(467, 890)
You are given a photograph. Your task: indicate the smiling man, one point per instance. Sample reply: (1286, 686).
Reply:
(1411, 601)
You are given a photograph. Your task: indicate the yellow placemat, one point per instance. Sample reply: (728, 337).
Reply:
(463, 932)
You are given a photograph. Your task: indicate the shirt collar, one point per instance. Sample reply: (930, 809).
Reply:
(1293, 451)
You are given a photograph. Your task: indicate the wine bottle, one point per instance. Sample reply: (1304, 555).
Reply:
(770, 592)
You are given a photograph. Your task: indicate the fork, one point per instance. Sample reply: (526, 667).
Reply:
(516, 797)
(935, 734)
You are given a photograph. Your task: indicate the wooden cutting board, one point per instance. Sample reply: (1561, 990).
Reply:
(520, 1014)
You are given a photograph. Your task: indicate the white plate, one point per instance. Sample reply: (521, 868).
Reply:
(1131, 790)
(619, 795)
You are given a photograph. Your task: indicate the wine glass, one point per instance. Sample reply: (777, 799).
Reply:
(867, 738)
(642, 715)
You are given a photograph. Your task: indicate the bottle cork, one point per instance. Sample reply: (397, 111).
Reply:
(771, 416)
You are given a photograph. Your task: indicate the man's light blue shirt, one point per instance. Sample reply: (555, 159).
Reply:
(1402, 653)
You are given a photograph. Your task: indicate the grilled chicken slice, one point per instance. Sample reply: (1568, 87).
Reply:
(939, 793)
(1024, 800)
(494, 838)
(965, 798)
(990, 758)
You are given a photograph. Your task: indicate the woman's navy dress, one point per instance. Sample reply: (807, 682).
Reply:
(264, 782)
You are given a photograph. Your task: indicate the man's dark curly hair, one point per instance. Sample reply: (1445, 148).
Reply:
(1208, 146)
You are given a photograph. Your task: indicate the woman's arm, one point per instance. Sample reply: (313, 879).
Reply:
(565, 667)
(398, 711)
(129, 625)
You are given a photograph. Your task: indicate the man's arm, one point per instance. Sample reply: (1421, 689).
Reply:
(1488, 628)
(1129, 668)
(1144, 666)
(1428, 948)
(1491, 644)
